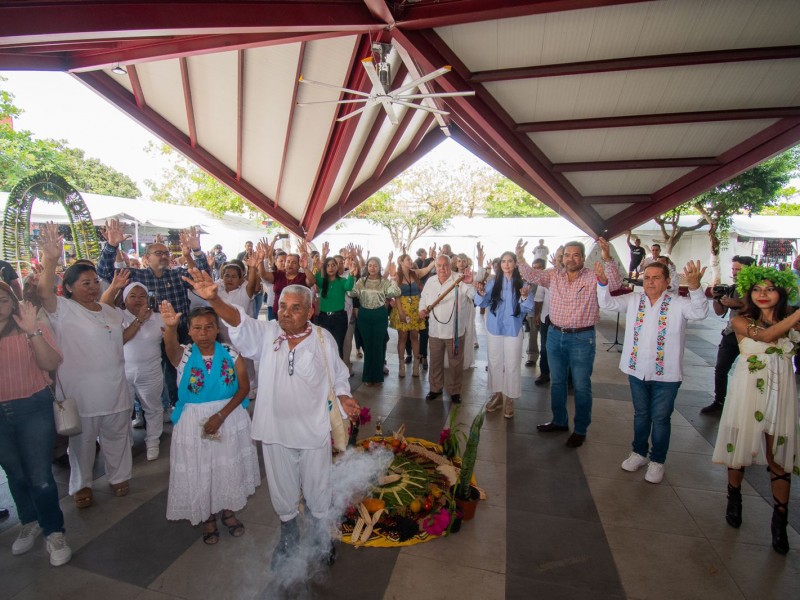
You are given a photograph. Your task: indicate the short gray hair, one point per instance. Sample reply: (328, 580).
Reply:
(299, 290)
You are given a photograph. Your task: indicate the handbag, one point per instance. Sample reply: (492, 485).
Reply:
(339, 425)
(65, 413)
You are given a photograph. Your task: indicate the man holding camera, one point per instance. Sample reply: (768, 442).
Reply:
(726, 300)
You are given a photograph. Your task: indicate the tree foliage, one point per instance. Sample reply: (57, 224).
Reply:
(424, 198)
(185, 184)
(22, 155)
(507, 199)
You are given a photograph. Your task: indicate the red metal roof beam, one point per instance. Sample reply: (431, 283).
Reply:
(651, 163)
(656, 61)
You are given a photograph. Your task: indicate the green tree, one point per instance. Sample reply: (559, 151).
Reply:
(426, 197)
(21, 155)
(748, 193)
(184, 183)
(507, 199)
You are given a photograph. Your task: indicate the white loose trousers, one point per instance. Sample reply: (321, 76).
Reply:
(290, 470)
(114, 431)
(148, 384)
(504, 354)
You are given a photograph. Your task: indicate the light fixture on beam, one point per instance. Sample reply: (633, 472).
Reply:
(119, 70)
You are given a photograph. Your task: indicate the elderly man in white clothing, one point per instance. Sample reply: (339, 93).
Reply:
(652, 355)
(291, 410)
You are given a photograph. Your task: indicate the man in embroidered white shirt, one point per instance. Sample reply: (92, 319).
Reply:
(652, 355)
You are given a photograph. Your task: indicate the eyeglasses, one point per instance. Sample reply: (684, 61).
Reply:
(291, 363)
(160, 252)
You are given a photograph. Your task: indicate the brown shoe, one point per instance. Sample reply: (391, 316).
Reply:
(83, 498)
(120, 489)
(495, 402)
(508, 411)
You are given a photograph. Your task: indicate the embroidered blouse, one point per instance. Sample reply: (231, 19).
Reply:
(654, 334)
(372, 293)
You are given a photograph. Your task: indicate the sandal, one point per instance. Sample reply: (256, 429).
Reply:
(210, 536)
(120, 489)
(83, 498)
(237, 528)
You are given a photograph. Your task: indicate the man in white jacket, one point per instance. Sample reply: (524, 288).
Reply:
(652, 355)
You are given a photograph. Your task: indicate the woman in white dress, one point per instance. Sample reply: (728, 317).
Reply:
(759, 420)
(213, 462)
(90, 335)
(142, 338)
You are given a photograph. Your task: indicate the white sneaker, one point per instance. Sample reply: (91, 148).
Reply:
(138, 422)
(58, 550)
(634, 462)
(152, 453)
(26, 538)
(655, 472)
(495, 402)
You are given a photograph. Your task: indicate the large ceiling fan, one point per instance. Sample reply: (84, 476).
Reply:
(380, 75)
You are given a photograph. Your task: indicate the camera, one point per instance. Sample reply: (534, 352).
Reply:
(632, 281)
(282, 236)
(720, 290)
(151, 301)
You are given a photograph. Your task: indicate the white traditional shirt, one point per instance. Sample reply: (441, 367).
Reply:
(543, 296)
(654, 334)
(442, 318)
(291, 406)
(143, 351)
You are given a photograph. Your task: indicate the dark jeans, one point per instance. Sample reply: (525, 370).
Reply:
(544, 366)
(653, 403)
(258, 300)
(27, 435)
(336, 323)
(169, 396)
(571, 355)
(726, 355)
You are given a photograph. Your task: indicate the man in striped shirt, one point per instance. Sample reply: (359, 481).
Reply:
(574, 312)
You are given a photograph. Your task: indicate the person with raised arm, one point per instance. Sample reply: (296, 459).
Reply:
(291, 417)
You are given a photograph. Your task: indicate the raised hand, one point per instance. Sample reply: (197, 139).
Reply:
(121, 279)
(600, 272)
(693, 274)
(26, 320)
(114, 232)
(391, 256)
(480, 254)
(51, 243)
(145, 314)
(189, 240)
(468, 276)
(520, 250)
(392, 270)
(168, 314)
(202, 284)
(304, 261)
(326, 248)
(432, 252)
(604, 248)
(159, 239)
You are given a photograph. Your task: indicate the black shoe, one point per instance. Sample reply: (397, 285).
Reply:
(780, 540)
(425, 363)
(290, 538)
(433, 395)
(4, 514)
(408, 359)
(542, 379)
(575, 440)
(712, 409)
(733, 513)
(530, 362)
(455, 398)
(549, 427)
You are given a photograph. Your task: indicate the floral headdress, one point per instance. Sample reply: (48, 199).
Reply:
(753, 275)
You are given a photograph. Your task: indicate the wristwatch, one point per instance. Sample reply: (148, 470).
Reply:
(36, 333)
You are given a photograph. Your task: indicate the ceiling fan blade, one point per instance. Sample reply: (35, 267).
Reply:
(350, 115)
(433, 95)
(372, 73)
(412, 84)
(335, 87)
(387, 106)
(429, 109)
(357, 100)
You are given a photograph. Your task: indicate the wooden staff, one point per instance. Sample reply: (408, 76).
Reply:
(433, 304)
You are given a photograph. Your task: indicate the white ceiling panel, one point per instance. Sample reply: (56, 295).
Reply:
(213, 79)
(611, 183)
(609, 210)
(326, 61)
(269, 77)
(641, 143)
(162, 88)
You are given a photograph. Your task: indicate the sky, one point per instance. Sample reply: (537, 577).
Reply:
(58, 106)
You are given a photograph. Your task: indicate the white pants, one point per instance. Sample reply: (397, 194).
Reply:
(504, 354)
(148, 384)
(290, 470)
(114, 431)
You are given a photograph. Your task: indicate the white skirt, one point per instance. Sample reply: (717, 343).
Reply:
(208, 476)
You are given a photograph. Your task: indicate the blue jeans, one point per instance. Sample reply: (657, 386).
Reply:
(653, 402)
(258, 300)
(571, 353)
(27, 435)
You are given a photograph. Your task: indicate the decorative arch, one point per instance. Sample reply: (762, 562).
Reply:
(52, 188)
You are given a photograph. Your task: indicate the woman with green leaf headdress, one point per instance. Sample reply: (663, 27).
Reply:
(759, 421)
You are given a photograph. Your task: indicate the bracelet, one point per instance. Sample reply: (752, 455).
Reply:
(36, 333)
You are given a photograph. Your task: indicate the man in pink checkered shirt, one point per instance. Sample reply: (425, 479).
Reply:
(571, 338)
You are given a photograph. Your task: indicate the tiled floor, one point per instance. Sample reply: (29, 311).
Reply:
(557, 523)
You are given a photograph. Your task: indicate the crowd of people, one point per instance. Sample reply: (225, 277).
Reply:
(181, 335)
